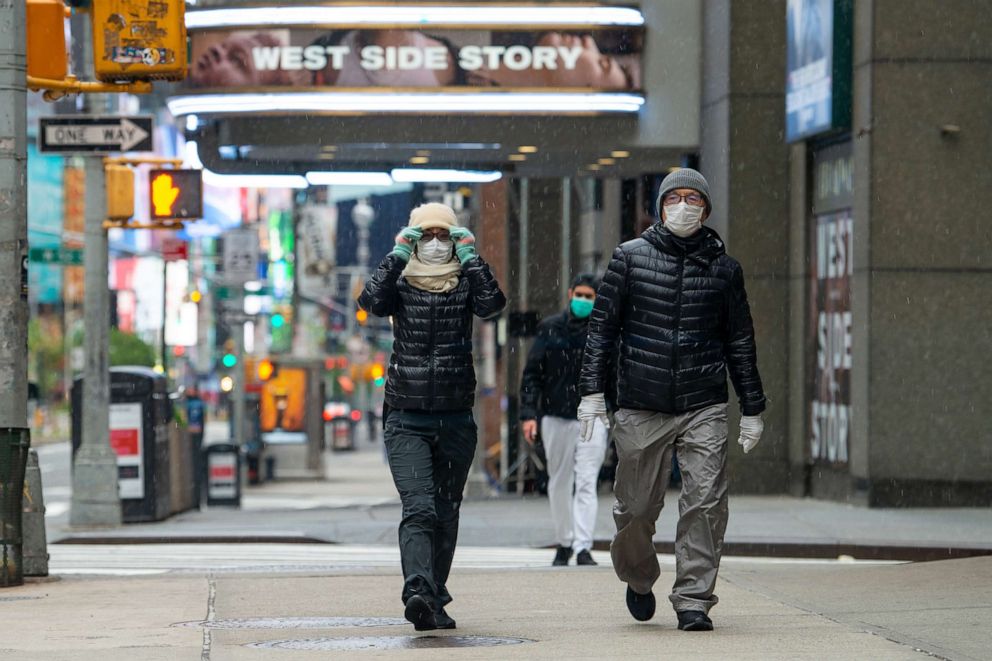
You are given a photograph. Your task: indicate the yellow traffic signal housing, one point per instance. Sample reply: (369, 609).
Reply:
(46, 39)
(120, 191)
(175, 194)
(139, 39)
(266, 369)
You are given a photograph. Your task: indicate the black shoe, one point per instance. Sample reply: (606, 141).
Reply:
(420, 613)
(641, 606)
(443, 620)
(585, 558)
(561, 556)
(694, 621)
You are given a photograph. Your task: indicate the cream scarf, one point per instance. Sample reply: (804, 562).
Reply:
(437, 278)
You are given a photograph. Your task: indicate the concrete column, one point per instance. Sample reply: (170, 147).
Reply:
(923, 129)
(745, 160)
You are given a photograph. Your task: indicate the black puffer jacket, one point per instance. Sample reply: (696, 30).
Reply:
(550, 384)
(676, 311)
(431, 368)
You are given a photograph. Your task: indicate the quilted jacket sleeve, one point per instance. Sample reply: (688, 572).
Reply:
(604, 326)
(740, 351)
(532, 382)
(380, 294)
(486, 297)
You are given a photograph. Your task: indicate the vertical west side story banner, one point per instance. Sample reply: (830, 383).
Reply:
(830, 318)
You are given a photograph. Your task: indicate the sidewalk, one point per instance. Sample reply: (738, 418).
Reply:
(357, 504)
(280, 610)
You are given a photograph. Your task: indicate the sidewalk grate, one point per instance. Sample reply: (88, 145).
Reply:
(295, 622)
(373, 643)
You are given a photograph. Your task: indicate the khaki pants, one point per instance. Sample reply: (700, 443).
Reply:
(645, 441)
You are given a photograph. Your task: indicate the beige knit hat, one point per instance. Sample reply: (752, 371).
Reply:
(433, 214)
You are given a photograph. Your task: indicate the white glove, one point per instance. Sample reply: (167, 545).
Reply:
(590, 408)
(751, 429)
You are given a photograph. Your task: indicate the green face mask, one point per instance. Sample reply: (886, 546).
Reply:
(581, 307)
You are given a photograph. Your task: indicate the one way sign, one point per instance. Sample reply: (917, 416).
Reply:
(88, 134)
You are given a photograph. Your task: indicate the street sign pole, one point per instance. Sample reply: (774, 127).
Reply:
(95, 497)
(13, 218)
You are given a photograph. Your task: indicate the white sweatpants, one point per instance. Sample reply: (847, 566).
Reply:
(573, 468)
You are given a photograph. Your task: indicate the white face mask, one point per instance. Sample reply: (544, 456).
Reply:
(434, 251)
(683, 219)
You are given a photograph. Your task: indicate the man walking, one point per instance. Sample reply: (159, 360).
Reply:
(673, 307)
(431, 284)
(550, 391)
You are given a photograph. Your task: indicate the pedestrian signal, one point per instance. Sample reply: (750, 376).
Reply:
(46, 39)
(119, 185)
(176, 194)
(139, 40)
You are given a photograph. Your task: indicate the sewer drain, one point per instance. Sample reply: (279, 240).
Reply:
(296, 622)
(386, 643)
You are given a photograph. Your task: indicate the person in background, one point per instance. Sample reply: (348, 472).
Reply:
(432, 283)
(549, 398)
(673, 311)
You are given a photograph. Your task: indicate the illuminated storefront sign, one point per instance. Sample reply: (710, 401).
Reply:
(560, 65)
(818, 67)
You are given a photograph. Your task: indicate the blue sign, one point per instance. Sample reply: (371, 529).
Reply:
(817, 87)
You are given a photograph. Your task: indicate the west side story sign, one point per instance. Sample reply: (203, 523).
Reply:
(830, 319)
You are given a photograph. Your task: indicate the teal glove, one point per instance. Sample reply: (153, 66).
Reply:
(405, 241)
(464, 244)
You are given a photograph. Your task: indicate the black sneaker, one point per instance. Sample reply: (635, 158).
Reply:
(585, 558)
(420, 613)
(562, 556)
(694, 621)
(641, 606)
(443, 620)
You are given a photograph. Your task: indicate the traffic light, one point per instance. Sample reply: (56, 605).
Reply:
(46, 39)
(266, 369)
(361, 316)
(139, 40)
(277, 320)
(119, 184)
(175, 194)
(378, 375)
(229, 360)
(227, 384)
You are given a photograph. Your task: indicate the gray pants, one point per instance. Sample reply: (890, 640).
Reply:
(645, 441)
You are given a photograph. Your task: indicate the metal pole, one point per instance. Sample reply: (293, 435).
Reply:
(239, 370)
(95, 497)
(165, 310)
(524, 303)
(566, 235)
(13, 218)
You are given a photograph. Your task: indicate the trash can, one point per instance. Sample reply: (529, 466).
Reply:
(223, 462)
(342, 433)
(14, 446)
(140, 412)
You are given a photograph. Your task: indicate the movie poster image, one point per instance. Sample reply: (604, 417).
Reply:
(606, 59)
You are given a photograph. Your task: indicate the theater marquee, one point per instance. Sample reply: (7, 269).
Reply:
(464, 59)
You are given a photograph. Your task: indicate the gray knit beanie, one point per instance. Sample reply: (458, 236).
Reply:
(684, 178)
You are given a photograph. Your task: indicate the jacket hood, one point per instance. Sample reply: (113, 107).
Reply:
(704, 246)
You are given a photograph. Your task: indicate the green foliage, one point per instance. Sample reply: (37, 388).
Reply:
(46, 356)
(129, 349)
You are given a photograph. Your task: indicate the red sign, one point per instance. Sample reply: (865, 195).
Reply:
(124, 441)
(221, 472)
(174, 249)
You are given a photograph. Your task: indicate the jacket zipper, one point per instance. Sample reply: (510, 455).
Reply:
(678, 324)
(431, 363)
